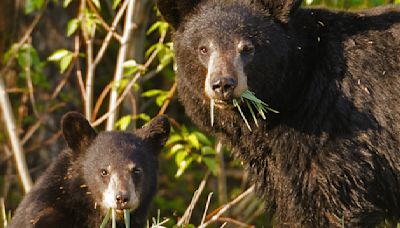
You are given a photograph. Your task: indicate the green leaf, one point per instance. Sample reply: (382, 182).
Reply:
(193, 141)
(161, 99)
(116, 3)
(182, 167)
(176, 148)
(130, 67)
(173, 139)
(124, 122)
(180, 156)
(72, 26)
(90, 22)
(160, 25)
(33, 5)
(66, 3)
(58, 55)
(202, 138)
(130, 63)
(211, 164)
(207, 150)
(152, 93)
(97, 4)
(143, 116)
(65, 62)
(11, 51)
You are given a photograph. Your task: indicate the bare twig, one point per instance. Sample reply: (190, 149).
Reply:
(23, 40)
(118, 102)
(128, 27)
(107, 39)
(234, 221)
(8, 172)
(168, 100)
(226, 207)
(11, 128)
(206, 208)
(100, 100)
(102, 22)
(188, 213)
(46, 142)
(67, 73)
(29, 80)
(31, 131)
(89, 76)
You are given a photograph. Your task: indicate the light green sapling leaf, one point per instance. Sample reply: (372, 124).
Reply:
(72, 26)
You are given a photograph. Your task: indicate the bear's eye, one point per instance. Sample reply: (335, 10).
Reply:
(203, 50)
(136, 171)
(104, 172)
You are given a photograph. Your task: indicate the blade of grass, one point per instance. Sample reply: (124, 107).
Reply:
(236, 104)
(252, 112)
(127, 218)
(212, 111)
(114, 218)
(106, 219)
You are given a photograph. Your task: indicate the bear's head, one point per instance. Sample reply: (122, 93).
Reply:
(118, 168)
(225, 47)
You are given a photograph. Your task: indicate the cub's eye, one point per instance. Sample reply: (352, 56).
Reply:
(203, 50)
(245, 48)
(104, 172)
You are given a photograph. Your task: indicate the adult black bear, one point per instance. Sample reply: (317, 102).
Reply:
(332, 155)
(98, 172)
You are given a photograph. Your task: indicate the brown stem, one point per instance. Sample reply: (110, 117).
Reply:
(168, 100)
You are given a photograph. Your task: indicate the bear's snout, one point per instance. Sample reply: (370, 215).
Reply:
(122, 198)
(223, 87)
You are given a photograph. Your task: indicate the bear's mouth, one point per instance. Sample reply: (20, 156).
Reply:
(223, 104)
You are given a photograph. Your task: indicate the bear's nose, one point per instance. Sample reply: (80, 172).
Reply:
(223, 87)
(122, 197)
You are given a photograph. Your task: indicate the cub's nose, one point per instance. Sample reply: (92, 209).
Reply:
(223, 87)
(122, 198)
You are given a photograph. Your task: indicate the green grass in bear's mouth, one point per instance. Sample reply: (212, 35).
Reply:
(252, 102)
(112, 212)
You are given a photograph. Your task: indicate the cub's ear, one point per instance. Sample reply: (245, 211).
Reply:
(173, 11)
(156, 131)
(77, 131)
(281, 9)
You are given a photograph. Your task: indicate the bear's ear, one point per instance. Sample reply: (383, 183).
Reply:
(281, 9)
(173, 11)
(156, 131)
(77, 131)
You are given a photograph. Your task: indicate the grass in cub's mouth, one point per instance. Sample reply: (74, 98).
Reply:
(113, 214)
(252, 102)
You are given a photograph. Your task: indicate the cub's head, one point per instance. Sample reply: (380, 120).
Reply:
(118, 168)
(225, 47)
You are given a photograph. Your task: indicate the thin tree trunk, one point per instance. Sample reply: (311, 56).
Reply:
(11, 129)
(129, 25)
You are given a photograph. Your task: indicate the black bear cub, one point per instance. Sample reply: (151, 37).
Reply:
(97, 172)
